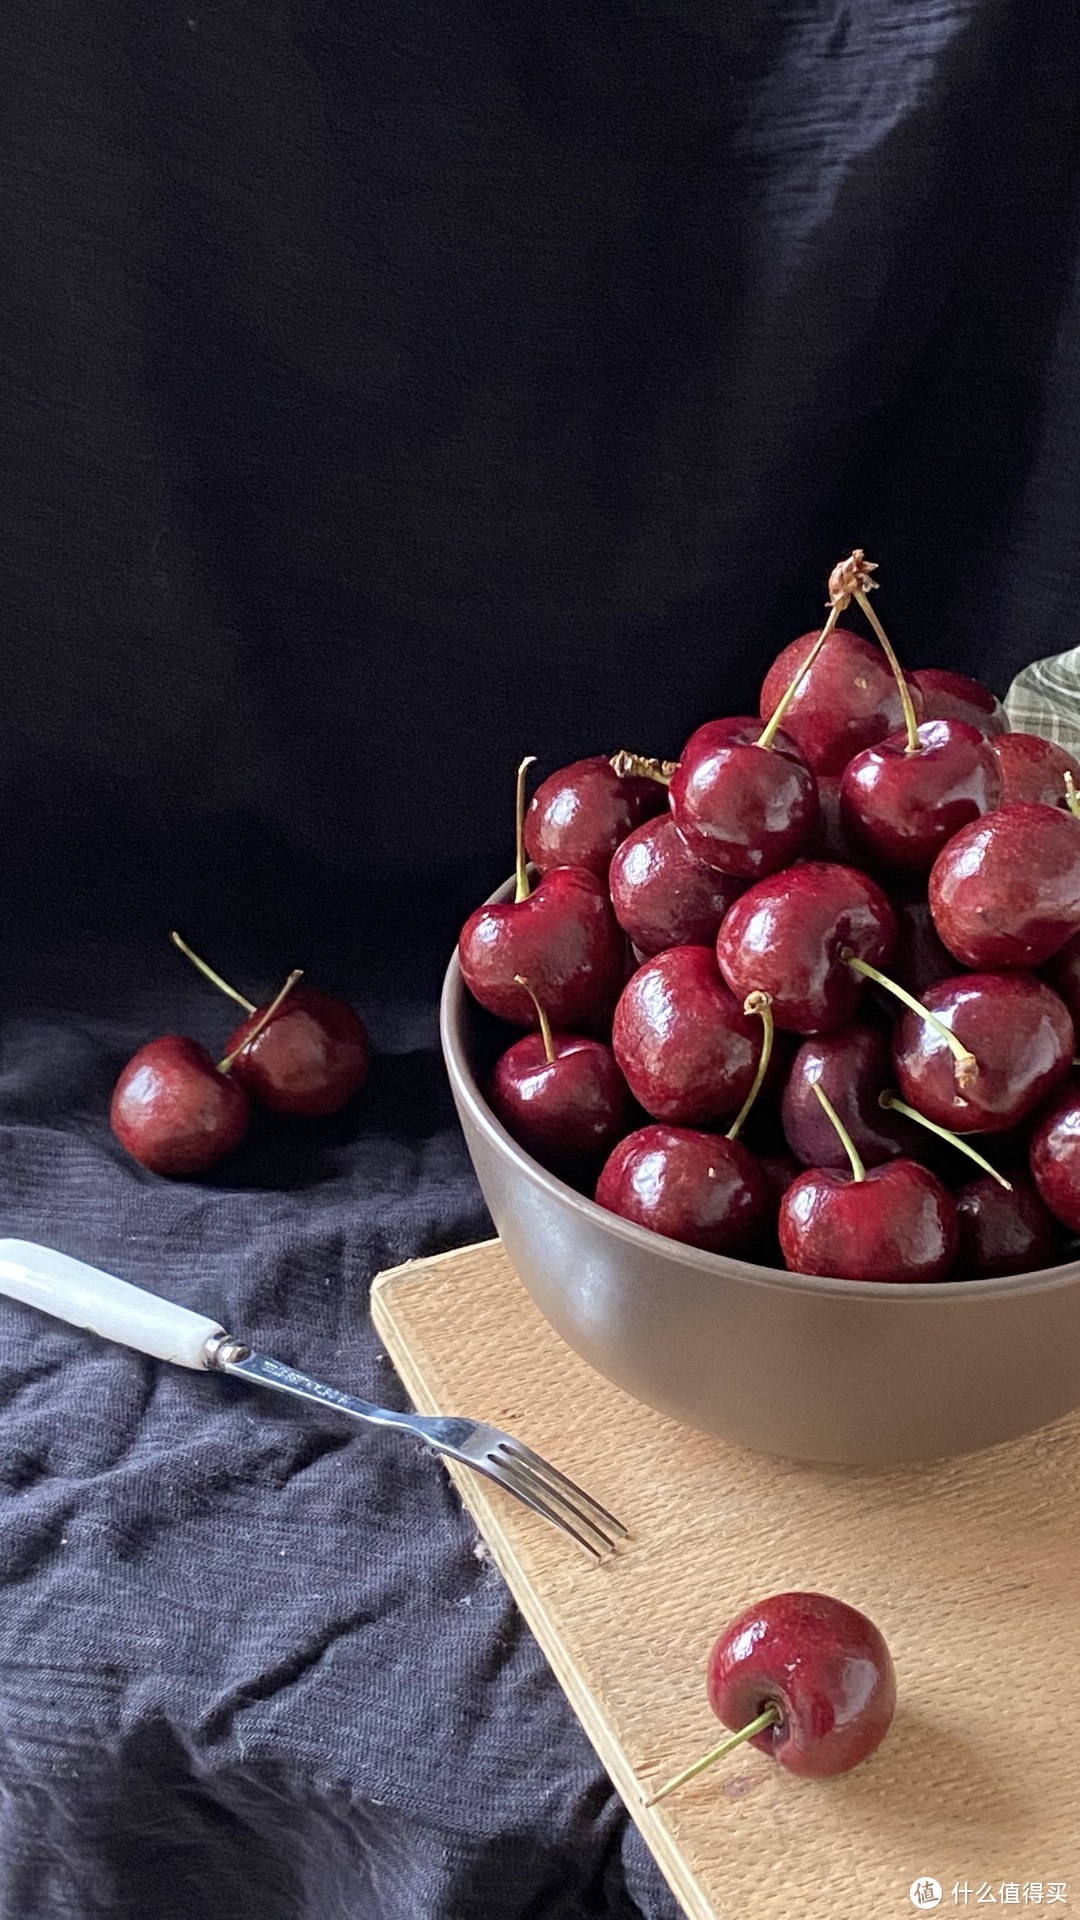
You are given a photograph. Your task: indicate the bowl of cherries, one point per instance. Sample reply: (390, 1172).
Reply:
(767, 1062)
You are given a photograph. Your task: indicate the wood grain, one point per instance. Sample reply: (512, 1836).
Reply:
(969, 1567)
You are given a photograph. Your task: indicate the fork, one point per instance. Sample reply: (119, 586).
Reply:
(87, 1297)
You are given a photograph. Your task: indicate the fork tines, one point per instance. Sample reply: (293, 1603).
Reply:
(542, 1487)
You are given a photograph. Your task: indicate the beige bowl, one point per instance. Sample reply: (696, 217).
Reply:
(783, 1362)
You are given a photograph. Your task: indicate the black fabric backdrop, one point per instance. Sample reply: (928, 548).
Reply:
(388, 392)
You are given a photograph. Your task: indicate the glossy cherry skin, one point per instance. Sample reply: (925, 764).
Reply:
(903, 807)
(567, 1112)
(746, 810)
(786, 936)
(687, 1049)
(1055, 1156)
(848, 700)
(952, 696)
(1003, 1231)
(309, 1059)
(822, 1664)
(696, 1187)
(578, 816)
(898, 1224)
(1005, 891)
(173, 1109)
(1020, 1032)
(564, 940)
(1034, 769)
(852, 1066)
(662, 894)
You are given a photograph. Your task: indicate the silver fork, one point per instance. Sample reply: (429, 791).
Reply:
(87, 1297)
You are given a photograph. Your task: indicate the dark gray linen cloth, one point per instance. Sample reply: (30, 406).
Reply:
(386, 392)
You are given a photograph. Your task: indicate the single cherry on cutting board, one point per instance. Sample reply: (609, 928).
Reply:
(561, 1096)
(308, 1058)
(561, 936)
(580, 814)
(805, 1678)
(176, 1110)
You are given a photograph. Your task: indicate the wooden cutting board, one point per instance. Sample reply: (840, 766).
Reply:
(970, 1568)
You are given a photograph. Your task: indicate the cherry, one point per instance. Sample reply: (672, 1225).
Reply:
(562, 1097)
(802, 936)
(744, 803)
(1019, 1031)
(688, 1049)
(701, 1188)
(853, 1065)
(1033, 769)
(563, 938)
(1005, 891)
(578, 816)
(1003, 1229)
(894, 1223)
(662, 894)
(176, 1111)
(1055, 1156)
(309, 1058)
(696, 1187)
(952, 696)
(805, 1678)
(847, 701)
(903, 799)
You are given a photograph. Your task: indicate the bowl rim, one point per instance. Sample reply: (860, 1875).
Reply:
(643, 1239)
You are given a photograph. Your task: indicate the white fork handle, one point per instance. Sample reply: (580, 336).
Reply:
(86, 1297)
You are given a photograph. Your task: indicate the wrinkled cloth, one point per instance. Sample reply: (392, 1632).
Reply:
(386, 392)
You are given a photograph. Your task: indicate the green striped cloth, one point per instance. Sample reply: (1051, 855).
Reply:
(1045, 698)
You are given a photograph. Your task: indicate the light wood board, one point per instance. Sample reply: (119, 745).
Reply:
(970, 1568)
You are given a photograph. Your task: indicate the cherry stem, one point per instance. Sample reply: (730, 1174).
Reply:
(522, 889)
(263, 1021)
(1072, 798)
(545, 1023)
(643, 767)
(914, 744)
(774, 722)
(761, 1004)
(966, 1061)
(208, 972)
(857, 1167)
(894, 1104)
(769, 1718)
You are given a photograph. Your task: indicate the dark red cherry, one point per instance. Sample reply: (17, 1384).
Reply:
(1055, 1156)
(824, 1667)
(700, 1188)
(682, 1039)
(854, 1067)
(174, 1109)
(309, 1058)
(578, 816)
(847, 701)
(1020, 1033)
(1034, 769)
(1005, 891)
(563, 1099)
(1003, 1231)
(952, 696)
(789, 936)
(903, 807)
(564, 939)
(897, 1224)
(662, 894)
(746, 809)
